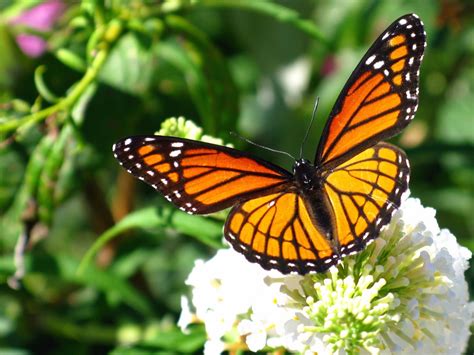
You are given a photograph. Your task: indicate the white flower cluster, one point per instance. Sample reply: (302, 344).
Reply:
(406, 292)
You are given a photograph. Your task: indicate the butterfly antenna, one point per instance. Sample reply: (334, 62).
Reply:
(262, 146)
(316, 103)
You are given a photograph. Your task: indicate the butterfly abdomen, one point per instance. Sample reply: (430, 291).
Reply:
(310, 181)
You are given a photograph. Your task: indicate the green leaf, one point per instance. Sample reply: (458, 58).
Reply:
(7, 267)
(10, 161)
(218, 84)
(176, 340)
(172, 341)
(115, 287)
(71, 59)
(201, 228)
(11, 60)
(129, 65)
(128, 264)
(455, 123)
(50, 175)
(177, 56)
(11, 222)
(13, 351)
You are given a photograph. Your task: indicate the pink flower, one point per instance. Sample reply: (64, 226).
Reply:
(329, 65)
(41, 17)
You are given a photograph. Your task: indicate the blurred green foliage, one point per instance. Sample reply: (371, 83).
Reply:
(120, 67)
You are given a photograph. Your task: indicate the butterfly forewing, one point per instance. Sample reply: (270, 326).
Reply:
(381, 96)
(364, 191)
(197, 177)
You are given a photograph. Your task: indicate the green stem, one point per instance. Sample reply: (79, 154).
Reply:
(76, 92)
(89, 333)
(279, 12)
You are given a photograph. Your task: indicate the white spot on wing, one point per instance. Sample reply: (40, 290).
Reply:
(175, 153)
(370, 59)
(127, 141)
(402, 21)
(149, 139)
(177, 144)
(150, 172)
(379, 64)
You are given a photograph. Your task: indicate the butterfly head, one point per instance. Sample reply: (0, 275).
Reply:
(304, 172)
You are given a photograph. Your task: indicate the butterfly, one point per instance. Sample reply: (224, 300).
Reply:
(306, 220)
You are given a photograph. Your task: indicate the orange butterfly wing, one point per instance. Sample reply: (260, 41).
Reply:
(363, 193)
(278, 231)
(381, 96)
(197, 177)
(277, 223)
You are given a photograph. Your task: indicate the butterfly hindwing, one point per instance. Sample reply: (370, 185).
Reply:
(278, 231)
(197, 177)
(363, 193)
(381, 96)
